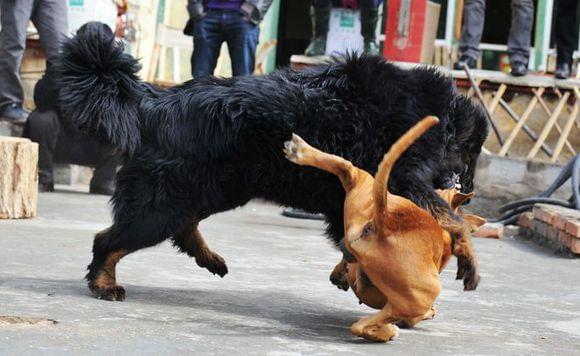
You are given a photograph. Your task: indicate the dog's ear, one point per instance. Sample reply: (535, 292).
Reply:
(473, 220)
(458, 199)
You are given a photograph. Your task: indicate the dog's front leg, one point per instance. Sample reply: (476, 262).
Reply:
(377, 327)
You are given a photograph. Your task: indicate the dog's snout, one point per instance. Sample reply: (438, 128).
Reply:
(348, 257)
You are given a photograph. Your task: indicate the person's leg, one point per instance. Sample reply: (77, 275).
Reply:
(242, 39)
(566, 36)
(103, 181)
(50, 19)
(14, 17)
(520, 31)
(44, 128)
(473, 20)
(369, 15)
(320, 15)
(207, 39)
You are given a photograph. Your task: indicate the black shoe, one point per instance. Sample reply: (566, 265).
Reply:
(519, 69)
(102, 189)
(14, 113)
(563, 71)
(301, 214)
(471, 63)
(45, 186)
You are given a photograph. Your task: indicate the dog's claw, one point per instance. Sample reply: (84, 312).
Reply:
(213, 263)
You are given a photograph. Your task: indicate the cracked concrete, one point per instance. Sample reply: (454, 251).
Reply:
(277, 299)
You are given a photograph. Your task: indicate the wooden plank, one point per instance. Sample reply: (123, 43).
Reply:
(525, 116)
(548, 126)
(527, 130)
(497, 96)
(480, 97)
(549, 112)
(565, 133)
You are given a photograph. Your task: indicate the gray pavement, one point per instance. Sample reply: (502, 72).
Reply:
(276, 300)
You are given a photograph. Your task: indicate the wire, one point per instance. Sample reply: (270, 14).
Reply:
(571, 171)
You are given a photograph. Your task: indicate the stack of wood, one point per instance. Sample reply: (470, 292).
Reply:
(18, 178)
(555, 226)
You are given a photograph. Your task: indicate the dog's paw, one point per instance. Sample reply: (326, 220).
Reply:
(112, 293)
(378, 333)
(213, 263)
(293, 149)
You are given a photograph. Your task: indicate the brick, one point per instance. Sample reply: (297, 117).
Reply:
(540, 227)
(562, 237)
(573, 228)
(526, 220)
(537, 211)
(490, 230)
(552, 233)
(574, 245)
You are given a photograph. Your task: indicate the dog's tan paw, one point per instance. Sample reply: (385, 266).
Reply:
(294, 148)
(378, 333)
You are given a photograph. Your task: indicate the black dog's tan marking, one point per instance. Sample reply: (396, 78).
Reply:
(191, 242)
(214, 144)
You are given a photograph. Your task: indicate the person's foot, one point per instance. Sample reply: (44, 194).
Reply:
(14, 113)
(301, 214)
(45, 186)
(563, 71)
(317, 47)
(371, 48)
(463, 60)
(102, 188)
(519, 69)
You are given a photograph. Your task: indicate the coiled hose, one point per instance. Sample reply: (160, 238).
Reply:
(511, 211)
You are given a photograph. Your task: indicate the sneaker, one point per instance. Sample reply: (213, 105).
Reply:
(563, 71)
(14, 113)
(471, 63)
(519, 69)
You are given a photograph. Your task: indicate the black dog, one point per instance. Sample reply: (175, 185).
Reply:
(212, 145)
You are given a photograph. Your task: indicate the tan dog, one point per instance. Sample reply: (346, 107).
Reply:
(399, 246)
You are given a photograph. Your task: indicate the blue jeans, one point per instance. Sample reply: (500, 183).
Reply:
(215, 28)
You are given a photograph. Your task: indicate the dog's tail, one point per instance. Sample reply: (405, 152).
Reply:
(99, 90)
(380, 189)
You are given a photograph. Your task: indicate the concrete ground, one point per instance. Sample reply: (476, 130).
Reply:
(277, 299)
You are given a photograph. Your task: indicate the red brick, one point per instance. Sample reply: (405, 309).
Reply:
(552, 233)
(574, 245)
(525, 220)
(540, 227)
(562, 237)
(560, 221)
(490, 230)
(573, 228)
(537, 211)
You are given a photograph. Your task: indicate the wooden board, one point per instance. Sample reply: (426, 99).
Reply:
(18, 178)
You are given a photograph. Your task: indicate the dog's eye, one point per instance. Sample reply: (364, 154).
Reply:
(367, 230)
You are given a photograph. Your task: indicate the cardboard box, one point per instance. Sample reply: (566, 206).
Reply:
(411, 29)
(344, 32)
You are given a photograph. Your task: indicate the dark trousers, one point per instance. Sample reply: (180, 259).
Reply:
(56, 146)
(520, 29)
(49, 17)
(566, 29)
(220, 26)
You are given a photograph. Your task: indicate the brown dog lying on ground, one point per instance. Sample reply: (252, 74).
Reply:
(399, 246)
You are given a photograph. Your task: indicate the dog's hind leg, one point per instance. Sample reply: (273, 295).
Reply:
(190, 241)
(299, 152)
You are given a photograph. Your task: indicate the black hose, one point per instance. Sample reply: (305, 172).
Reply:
(513, 210)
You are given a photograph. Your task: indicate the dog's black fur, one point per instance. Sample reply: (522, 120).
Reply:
(211, 145)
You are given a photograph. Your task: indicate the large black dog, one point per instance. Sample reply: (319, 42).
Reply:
(211, 145)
